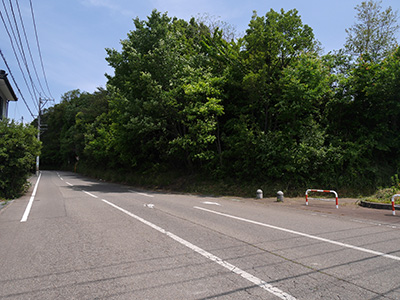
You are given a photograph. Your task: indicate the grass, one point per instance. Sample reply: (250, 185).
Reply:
(383, 195)
(203, 184)
(3, 202)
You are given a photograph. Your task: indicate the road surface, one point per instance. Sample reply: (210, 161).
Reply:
(78, 238)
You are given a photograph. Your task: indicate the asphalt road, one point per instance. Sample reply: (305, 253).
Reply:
(86, 239)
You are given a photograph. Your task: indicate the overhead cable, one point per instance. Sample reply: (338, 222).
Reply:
(15, 52)
(38, 46)
(15, 83)
(23, 56)
(29, 49)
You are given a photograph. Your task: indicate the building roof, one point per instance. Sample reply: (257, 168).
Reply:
(6, 91)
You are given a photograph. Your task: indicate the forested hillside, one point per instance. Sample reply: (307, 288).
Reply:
(266, 108)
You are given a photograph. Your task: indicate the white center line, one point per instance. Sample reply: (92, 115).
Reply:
(29, 206)
(257, 281)
(377, 253)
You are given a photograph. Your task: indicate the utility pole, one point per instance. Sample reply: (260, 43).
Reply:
(38, 137)
(42, 103)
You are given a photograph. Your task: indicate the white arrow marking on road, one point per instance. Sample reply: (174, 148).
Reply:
(149, 205)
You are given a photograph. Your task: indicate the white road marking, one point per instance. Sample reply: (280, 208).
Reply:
(149, 205)
(377, 253)
(374, 223)
(211, 203)
(69, 183)
(29, 206)
(90, 194)
(147, 195)
(257, 281)
(143, 194)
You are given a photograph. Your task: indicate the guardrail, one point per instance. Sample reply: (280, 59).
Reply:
(394, 196)
(324, 191)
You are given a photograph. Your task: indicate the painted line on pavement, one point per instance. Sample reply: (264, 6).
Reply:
(211, 203)
(257, 281)
(377, 253)
(30, 203)
(143, 194)
(147, 195)
(90, 194)
(69, 183)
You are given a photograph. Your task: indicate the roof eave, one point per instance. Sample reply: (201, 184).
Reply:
(6, 88)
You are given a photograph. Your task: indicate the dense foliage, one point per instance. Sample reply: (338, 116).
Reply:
(18, 150)
(264, 108)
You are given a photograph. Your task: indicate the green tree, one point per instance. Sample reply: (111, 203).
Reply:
(53, 117)
(67, 122)
(18, 150)
(255, 132)
(299, 141)
(362, 121)
(375, 31)
(271, 44)
(169, 97)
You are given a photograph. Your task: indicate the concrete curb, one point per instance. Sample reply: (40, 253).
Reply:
(377, 205)
(4, 204)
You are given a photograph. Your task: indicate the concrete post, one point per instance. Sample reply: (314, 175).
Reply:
(259, 194)
(279, 197)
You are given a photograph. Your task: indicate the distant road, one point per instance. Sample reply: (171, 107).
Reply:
(85, 239)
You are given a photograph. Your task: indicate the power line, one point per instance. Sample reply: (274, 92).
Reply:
(13, 48)
(15, 83)
(38, 46)
(34, 88)
(29, 48)
(15, 27)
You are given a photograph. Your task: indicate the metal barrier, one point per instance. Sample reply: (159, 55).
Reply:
(393, 211)
(324, 191)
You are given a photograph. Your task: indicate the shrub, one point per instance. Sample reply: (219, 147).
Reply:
(18, 150)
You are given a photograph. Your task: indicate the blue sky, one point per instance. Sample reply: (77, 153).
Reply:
(73, 34)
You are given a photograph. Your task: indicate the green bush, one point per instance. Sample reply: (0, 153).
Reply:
(18, 150)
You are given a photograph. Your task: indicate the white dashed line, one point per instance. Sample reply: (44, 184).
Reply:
(212, 203)
(90, 194)
(143, 194)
